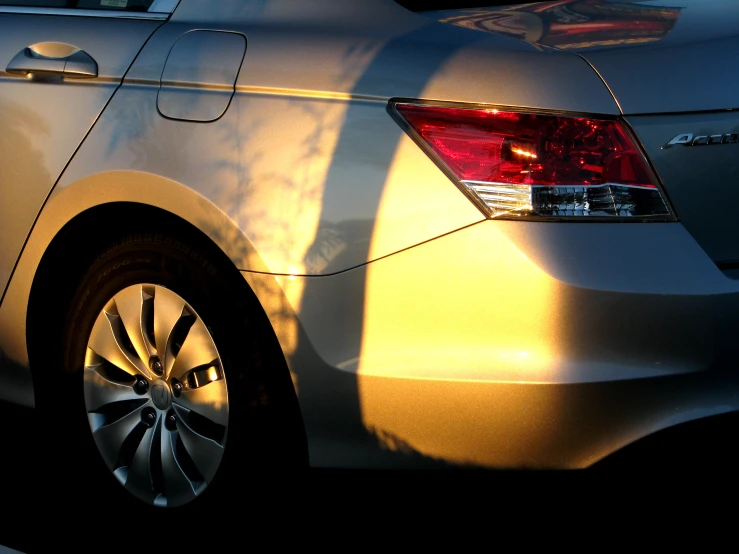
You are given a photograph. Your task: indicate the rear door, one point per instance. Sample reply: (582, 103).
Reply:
(60, 63)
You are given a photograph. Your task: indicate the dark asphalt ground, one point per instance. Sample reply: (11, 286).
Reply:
(45, 509)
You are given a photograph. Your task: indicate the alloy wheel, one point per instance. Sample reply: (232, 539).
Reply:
(155, 395)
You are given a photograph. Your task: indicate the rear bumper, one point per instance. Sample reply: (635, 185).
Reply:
(510, 344)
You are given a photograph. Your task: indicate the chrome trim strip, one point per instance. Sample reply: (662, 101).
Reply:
(97, 81)
(279, 91)
(493, 184)
(112, 14)
(181, 85)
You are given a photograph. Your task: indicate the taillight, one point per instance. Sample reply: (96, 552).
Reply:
(518, 163)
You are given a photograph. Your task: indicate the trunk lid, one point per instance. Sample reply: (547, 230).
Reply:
(657, 56)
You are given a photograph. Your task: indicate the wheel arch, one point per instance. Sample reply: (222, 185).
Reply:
(64, 262)
(94, 212)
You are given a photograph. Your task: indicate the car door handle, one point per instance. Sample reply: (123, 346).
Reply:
(53, 58)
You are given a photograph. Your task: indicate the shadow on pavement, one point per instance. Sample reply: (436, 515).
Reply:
(44, 510)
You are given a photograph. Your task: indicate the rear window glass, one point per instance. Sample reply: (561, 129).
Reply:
(128, 5)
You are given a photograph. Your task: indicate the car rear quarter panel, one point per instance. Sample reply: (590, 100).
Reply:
(306, 179)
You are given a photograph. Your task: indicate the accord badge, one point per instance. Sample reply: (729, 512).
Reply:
(688, 139)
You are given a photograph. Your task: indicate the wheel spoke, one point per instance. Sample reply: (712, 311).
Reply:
(139, 479)
(178, 488)
(197, 350)
(210, 401)
(130, 304)
(206, 454)
(101, 391)
(109, 438)
(168, 309)
(105, 341)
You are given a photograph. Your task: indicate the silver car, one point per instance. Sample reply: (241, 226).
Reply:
(253, 235)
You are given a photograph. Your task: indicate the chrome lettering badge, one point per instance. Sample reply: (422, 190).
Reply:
(689, 139)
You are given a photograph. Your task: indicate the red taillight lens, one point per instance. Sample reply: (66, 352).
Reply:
(520, 163)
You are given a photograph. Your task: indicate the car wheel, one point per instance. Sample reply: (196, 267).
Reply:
(176, 374)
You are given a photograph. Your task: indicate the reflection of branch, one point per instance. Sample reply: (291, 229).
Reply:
(389, 441)
(393, 443)
(20, 120)
(133, 129)
(19, 126)
(24, 177)
(355, 55)
(327, 246)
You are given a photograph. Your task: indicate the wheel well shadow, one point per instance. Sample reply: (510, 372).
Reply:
(76, 247)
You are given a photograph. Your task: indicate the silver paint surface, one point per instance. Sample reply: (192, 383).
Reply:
(657, 57)
(701, 181)
(43, 120)
(436, 337)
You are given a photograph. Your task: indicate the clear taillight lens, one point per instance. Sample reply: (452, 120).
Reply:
(532, 164)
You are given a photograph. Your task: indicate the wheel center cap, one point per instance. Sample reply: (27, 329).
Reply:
(161, 395)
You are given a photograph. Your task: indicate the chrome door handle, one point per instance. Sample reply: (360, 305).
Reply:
(53, 58)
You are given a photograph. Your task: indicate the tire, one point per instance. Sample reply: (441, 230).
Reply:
(181, 393)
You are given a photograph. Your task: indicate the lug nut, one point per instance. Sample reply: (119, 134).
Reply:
(171, 421)
(176, 388)
(141, 385)
(155, 365)
(148, 417)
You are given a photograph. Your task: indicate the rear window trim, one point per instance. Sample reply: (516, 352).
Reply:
(159, 10)
(110, 14)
